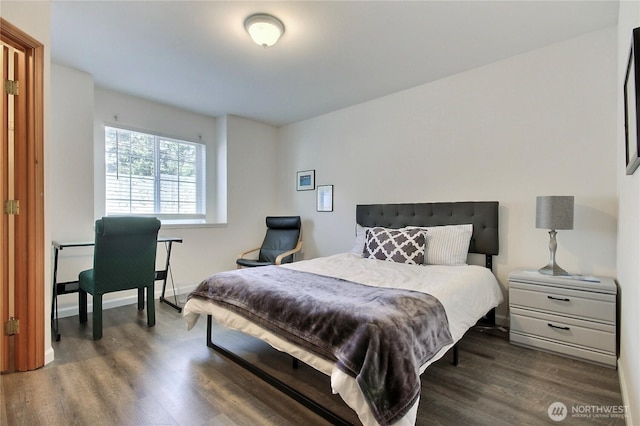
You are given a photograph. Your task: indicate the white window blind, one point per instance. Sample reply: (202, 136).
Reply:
(153, 175)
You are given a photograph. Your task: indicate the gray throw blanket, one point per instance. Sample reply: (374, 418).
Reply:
(380, 336)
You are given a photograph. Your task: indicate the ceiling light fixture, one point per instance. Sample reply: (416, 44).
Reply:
(264, 29)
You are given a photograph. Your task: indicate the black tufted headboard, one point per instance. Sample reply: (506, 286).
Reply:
(482, 214)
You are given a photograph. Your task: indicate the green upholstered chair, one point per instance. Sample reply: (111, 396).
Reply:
(124, 259)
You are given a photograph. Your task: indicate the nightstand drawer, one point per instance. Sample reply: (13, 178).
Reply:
(568, 330)
(565, 315)
(564, 302)
(606, 359)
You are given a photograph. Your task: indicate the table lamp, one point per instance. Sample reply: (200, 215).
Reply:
(554, 212)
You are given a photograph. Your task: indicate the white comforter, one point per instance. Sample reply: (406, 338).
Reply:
(466, 292)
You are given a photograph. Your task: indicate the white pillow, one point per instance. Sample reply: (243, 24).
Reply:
(361, 234)
(447, 244)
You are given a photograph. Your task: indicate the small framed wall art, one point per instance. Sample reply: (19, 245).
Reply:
(306, 180)
(324, 201)
(632, 104)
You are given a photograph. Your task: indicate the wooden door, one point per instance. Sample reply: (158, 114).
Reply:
(22, 180)
(6, 307)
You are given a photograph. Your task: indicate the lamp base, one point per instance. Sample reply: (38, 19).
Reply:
(553, 269)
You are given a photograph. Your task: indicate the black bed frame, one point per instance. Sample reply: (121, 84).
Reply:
(482, 214)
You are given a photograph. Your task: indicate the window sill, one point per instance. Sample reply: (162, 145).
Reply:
(190, 225)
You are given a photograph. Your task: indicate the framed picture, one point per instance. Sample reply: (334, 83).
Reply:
(306, 180)
(324, 198)
(631, 104)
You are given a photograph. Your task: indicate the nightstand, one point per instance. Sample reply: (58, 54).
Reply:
(566, 316)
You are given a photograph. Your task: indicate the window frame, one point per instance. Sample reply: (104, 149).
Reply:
(201, 177)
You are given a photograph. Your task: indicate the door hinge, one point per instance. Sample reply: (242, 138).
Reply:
(11, 87)
(12, 207)
(12, 326)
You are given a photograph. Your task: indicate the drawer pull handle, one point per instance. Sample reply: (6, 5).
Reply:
(558, 327)
(561, 299)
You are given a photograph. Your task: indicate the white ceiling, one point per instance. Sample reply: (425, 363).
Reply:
(333, 54)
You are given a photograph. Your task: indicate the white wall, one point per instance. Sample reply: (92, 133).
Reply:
(628, 231)
(245, 148)
(71, 160)
(542, 123)
(34, 19)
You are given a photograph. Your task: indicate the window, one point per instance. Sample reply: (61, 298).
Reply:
(149, 174)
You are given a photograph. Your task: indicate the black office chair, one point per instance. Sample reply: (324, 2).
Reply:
(282, 240)
(124, 258)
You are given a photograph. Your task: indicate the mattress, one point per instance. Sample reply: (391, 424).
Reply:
(466, 292)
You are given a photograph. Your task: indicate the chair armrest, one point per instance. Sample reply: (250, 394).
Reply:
(281, 256)
(244, 253)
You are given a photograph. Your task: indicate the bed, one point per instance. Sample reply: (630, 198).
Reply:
(455, 295)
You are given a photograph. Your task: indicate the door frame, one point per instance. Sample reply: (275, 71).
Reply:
(29, 223)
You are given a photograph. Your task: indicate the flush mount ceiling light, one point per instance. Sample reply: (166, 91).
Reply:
(264, 29)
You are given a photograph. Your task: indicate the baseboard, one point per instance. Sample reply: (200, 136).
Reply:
(72, 310)
(48, 355)
(624, 390)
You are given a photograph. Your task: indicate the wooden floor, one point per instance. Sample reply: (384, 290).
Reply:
(167, 375)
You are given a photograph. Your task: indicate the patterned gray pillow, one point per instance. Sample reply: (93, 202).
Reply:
(395, 245)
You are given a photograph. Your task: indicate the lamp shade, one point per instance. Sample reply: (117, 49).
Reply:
(265, 30)
(554, 212)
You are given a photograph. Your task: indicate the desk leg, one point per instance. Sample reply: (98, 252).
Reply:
(54, 298)
(164, 281)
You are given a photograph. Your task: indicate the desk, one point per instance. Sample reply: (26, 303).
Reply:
(72, 286)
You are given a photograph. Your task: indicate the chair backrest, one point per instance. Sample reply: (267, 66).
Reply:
(125, 253)
(283, 233)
